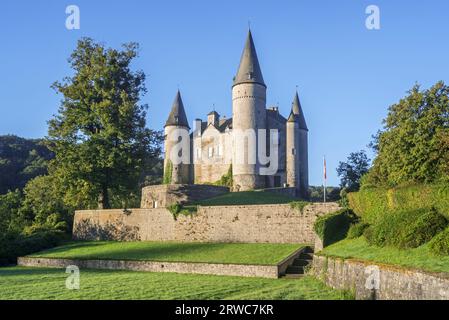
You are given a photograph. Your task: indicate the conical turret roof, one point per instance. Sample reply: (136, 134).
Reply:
(177, 116)
(249, 69)
(297, 111)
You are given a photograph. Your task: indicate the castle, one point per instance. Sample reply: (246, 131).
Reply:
(219, 144)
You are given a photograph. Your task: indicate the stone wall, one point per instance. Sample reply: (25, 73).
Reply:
(161, 196)
(157, 266)
(395, 283)
(245, 224)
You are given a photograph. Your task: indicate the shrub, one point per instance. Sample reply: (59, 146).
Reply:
(406, 229)
(440, 244)
(17, 245)
(422, 230)
(299, 205)
(374, 203)
(226, 180)
(334, 227)
(176, 209)
(356, 230)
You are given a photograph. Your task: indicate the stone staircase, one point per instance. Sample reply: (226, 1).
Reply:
(297, 268)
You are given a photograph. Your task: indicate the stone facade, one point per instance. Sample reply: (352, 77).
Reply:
(395, 283)
(237, 224)
(217, 144)
(162, 196)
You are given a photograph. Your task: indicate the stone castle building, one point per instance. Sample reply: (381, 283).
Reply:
(214, 146)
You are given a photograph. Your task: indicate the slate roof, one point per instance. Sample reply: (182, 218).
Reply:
(249, 68)
(177, 116)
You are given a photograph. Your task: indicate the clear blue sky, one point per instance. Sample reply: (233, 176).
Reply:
(347, 75)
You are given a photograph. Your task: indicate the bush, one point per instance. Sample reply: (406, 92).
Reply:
(375, 203)
(16, 245)
(406, 229)
(176, 209)
(440, 244)
(422, 230)
(356, 230)
(334, 227)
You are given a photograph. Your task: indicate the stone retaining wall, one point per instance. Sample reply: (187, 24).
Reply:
(261, 271)
(162, 196)
(394, 283)
(247, 224)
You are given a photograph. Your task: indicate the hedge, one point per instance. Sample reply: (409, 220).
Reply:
(440, 244)
(334, 227)
(406, 229)
(374, 203)
(16, 245)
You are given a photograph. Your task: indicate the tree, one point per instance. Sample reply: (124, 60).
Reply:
(351, 171)
(413, 147)
(20, 161)
(99, 135)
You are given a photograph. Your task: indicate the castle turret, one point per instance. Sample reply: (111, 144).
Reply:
(297, 140)
(249, 115)
(292, 149)
(177, 145)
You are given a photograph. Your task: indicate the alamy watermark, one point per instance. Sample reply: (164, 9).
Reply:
(373, 278)
(259, 148)
(372, 22)
(73, 21)
(73, 280)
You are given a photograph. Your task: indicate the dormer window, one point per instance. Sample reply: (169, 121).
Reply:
(176, 119)
(250, 75)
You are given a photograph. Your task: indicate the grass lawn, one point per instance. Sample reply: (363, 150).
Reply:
(238, 253)
(49, 284)
(419, 258)
(247, 198)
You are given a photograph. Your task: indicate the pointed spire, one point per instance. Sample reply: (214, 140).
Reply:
(297, 111)
(249, 69)
(177, 115)
(292, 117)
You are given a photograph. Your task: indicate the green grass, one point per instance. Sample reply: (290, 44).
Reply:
(419, 258)
(247, 198)
(49, 284)
(238, 253)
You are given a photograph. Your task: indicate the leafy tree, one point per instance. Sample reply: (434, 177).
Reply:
(43, 198)
(20, 161)
(351, 171)
(413, 146)
(9, 207)
(99, 135)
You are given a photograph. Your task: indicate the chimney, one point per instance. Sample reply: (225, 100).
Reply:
(197, 130)
(213, 118)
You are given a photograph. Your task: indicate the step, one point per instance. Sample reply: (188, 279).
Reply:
(306, 256)
(308, 250)
(294, 270)
(301, 262)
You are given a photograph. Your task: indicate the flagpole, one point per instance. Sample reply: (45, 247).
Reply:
(324, 178)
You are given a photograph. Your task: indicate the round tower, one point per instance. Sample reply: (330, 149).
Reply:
(302, 158)
(249, 115)
(177, 145)
(292, 150)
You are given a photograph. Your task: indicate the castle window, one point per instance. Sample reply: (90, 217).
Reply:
(220, 150)
(198, 153)
(211, 152)
(294, 151)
